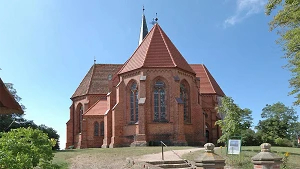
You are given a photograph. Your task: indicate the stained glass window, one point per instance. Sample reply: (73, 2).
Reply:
(96, 129)
(159, 102)
(184, 95)
(134, 103)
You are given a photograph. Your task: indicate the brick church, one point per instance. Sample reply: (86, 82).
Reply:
(154, 96)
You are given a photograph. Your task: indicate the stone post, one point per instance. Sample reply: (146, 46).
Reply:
(265, 159)
(209, 160)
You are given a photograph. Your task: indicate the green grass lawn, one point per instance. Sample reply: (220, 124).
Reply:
(63, 157)
(243, 161)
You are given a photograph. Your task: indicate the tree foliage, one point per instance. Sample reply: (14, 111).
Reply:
(25, 149)
(287, 20)
(236, 120)
(279, 122)
(250, 138)
(51, 134)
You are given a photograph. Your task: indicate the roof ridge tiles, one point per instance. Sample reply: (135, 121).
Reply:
(207, 82)
(143, 41)
(205, 70)
(159, 28)
(89, 88)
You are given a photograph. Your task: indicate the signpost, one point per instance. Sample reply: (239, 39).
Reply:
(234, 145)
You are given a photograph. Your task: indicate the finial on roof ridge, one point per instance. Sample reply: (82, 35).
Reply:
(154, 21)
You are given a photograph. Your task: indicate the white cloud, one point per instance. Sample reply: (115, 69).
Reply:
(244, 9)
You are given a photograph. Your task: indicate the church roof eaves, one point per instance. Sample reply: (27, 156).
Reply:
(8, 104)
(208, 85)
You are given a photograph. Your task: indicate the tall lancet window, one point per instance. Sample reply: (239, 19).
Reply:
(80, 113)
(184, 95)
(102, 128)
(159, 93)
(96, 129)
(134, 110)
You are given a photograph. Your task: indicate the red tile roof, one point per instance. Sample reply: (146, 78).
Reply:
(208, 84)
(156, 51)
(99, 108)
(8, 105)
(96, 80)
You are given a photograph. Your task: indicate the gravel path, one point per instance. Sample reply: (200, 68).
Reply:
(98, 161)
(168, 155)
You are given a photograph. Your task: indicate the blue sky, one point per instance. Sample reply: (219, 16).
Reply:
(47, 47)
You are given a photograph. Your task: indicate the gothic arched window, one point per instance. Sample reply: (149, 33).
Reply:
(102, 128)
(159, 93)
(96, 129)
(184, 95)
(80, 113)
(134, 110)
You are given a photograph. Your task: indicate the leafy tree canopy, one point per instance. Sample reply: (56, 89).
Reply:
(236, 120)
(287, 20)
(25, 148)
(279, 121)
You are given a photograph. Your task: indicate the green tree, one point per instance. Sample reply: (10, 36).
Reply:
(287, 22)
(51, 134)
(25, 149)
(236, 120)
(250, 138)
(278, 123)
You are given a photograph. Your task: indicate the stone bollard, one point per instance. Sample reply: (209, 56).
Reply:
(210, 160)
(265, 159)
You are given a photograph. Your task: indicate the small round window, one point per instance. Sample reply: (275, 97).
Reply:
(109, 77)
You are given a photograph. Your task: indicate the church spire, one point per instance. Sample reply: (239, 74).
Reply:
(144, 28)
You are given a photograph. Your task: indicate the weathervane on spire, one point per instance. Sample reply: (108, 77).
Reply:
(154, 21)
(94, 59)
(143, 9)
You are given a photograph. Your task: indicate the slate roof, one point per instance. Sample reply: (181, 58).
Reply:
(96, 80)
(8, 104)
(99, 108)
(208, 84)
(156, 51)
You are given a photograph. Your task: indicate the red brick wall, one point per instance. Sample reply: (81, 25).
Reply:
(92, 140)
(156, 130)
(121, 132)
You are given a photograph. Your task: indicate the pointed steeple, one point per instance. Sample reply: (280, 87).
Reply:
(144, 28)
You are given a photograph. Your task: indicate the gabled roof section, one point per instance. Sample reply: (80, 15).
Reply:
(156, 51)
(99, 108)
(8, 104)
(208, 84)
(97, 79)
